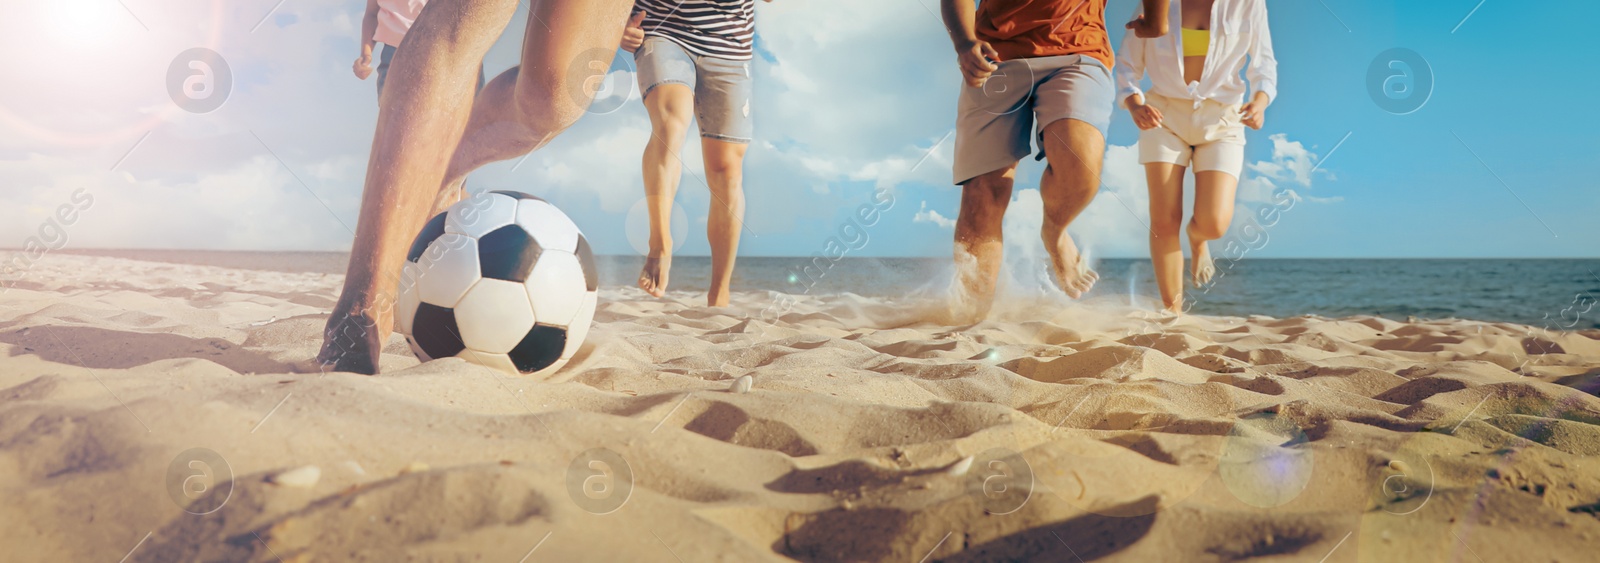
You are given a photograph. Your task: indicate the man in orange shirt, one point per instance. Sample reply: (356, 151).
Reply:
(1025, 62)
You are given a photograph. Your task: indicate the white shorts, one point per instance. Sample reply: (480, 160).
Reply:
(1205, 135)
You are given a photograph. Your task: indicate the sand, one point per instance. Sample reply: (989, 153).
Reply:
(136, 394)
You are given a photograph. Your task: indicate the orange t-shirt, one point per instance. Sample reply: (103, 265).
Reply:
(1020, 29)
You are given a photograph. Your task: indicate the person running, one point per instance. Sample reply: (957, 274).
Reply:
(693, 58)
(1192, 118)
(386, 22)
(431, 133)
(1027, 63)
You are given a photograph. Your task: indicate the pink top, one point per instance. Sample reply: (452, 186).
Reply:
(395, 18)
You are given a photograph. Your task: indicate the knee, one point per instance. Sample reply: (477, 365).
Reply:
(669, 123)
(1166, 227)
(724, 166)
(1062, 195)
(1207, 228)
(983, 203)
(545, 104)
(991, 188)
(724, 160)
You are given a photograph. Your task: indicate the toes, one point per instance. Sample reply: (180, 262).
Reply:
(1079, 285)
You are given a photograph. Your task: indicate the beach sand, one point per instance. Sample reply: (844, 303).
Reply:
(1053, 431)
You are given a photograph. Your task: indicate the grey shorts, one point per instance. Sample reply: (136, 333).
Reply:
(721, 86)
(996, 123)
(386, 56)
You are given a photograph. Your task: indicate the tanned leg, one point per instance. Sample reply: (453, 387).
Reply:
(566, 53)
(423, 116)
(725, 176)
(1075, 151)
(1213, 212)
(980, 245)
(671, 107)
(1166, 230)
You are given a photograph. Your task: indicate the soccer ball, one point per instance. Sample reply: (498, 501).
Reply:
(503, 280)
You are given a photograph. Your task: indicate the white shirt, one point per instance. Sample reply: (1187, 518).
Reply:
(1238, 32)
(395, 18)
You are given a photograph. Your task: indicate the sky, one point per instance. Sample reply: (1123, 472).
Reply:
(1489, 158)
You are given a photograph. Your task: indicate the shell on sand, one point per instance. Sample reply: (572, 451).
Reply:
(300, 477)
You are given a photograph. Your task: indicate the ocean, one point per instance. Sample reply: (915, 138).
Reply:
(1559, 294)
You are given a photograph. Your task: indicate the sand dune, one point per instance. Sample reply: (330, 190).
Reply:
(1053, 432)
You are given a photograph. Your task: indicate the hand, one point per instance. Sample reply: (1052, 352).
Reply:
(363, 66)
(1254, 114)
(1145, 116)
(633, 35)
(977, 62)
(1145, 28)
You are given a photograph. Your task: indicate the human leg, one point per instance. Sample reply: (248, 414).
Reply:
(725, 223)
(424, 113)
(671, 107)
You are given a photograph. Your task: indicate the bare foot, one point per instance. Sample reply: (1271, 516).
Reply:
(1202, 268)
(1072, 272)
(718, 297)
(351, 343)
(653, 279)
(972, 294)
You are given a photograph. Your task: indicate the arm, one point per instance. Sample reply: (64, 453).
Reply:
(1261, 71)
(369, 27)
(633, 34)
(1130, 70)
(975, 56)
(1153, 22)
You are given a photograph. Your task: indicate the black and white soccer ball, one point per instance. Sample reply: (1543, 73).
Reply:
(503, 280)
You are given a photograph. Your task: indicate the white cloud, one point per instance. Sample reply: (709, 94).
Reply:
(1291, 162)
(256, 204)
(856, 94)
(925, 215)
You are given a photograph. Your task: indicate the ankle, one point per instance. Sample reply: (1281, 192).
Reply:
(660, 246)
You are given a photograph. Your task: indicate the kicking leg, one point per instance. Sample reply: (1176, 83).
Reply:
(423, 115)
(725, 175)
(1166, 230)
(566, 53)
(671, 106)
(980, 245)
(1075, 151)
(1213, 212)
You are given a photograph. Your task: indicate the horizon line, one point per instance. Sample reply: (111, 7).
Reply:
(797, 256)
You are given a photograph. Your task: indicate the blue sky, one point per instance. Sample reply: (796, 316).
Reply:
(850, 97)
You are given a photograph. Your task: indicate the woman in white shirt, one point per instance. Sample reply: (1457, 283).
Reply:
(1193, 116)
